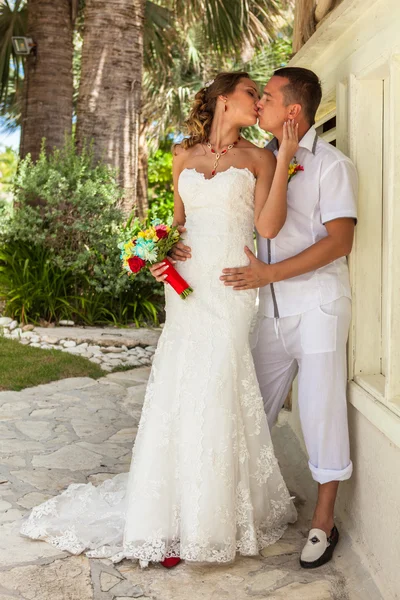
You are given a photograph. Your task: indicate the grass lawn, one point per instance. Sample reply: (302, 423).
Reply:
(23, 366)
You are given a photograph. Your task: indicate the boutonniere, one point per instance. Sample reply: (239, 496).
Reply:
(294, 168)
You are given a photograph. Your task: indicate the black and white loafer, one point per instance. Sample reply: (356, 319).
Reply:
(319, 548)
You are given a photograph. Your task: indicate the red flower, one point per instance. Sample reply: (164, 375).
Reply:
(136, 264)
(161, 231)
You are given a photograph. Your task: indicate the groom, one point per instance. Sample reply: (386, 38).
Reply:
(305, 305)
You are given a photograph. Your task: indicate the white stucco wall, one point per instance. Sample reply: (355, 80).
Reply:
(356, 53)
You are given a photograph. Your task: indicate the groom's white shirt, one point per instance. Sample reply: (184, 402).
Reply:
(324, 191)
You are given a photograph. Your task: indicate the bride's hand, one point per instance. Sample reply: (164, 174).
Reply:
(290, 142)
(158, 269)
(179, 252)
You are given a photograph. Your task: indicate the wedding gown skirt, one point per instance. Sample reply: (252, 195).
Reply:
(204, 482)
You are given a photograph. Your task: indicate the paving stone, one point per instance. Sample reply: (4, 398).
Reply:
(20, 446)
(125, 378)
(197, 582)
(12, 410)
(317, 590)
(17, 550)
(13, 461)
(49, 389)
(89, 428)
(73, 458)
(103, 449)
(98, 478)
(32, 499)
(124, 436)
(280, 548)
(47, 480)
(6, 432)
(262, 581)
(42, 412)
(67, 579)
(10, 516)
(36, 430)
(4, 505)
(107, 581)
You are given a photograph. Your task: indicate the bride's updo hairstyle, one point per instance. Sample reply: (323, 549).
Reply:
(201, 115)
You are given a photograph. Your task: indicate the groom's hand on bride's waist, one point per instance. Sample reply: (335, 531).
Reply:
(255, 275)
(180, 252)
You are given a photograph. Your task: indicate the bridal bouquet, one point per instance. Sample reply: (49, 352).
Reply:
(149, 245)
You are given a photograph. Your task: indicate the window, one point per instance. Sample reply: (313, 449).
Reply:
(374, 356)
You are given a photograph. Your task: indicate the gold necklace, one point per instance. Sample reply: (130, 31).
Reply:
(219, 154)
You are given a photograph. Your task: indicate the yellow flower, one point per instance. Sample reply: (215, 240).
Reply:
(141, 234)
(151, 234)
(129, 246)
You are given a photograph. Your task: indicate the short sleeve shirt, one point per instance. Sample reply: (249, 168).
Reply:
(325, 190)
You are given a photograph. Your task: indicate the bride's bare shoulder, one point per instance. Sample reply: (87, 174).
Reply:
(181, 154)
(178, 150)
(261, 158)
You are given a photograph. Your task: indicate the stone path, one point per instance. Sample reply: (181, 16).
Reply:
(109, 347)
(80, 430)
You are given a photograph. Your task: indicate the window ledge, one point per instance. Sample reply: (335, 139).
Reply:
(377, 413)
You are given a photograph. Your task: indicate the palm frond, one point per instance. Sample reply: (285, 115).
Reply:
(227, 24)
(159, 36)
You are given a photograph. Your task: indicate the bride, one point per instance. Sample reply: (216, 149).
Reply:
(204, 483)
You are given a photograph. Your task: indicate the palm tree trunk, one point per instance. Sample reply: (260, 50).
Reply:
(48, 84)
(142, 201)
(304, 22)
(109, 100)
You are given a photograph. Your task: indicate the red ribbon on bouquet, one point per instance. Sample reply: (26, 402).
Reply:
(176, 281)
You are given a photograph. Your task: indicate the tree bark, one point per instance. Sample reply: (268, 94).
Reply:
(48, 84)
(304, 23)
(109, 102)
(142, 201)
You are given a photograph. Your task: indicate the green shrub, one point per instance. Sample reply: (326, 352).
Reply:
(58, 252)
(161, 195)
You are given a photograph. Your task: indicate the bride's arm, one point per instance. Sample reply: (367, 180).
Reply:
(270, 208)
(177, 167)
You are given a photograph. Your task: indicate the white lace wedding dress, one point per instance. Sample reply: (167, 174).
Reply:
(204, 482)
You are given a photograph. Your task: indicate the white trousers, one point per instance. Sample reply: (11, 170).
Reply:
(314, 345)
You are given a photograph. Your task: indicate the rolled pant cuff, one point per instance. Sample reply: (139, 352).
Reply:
(327, 475)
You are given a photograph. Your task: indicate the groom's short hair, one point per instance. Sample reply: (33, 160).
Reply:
(303, 88)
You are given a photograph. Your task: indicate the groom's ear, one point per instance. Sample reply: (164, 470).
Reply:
(294, 111)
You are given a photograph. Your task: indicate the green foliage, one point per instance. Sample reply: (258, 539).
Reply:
(8, 168)
(161, 194)
(58, 253)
